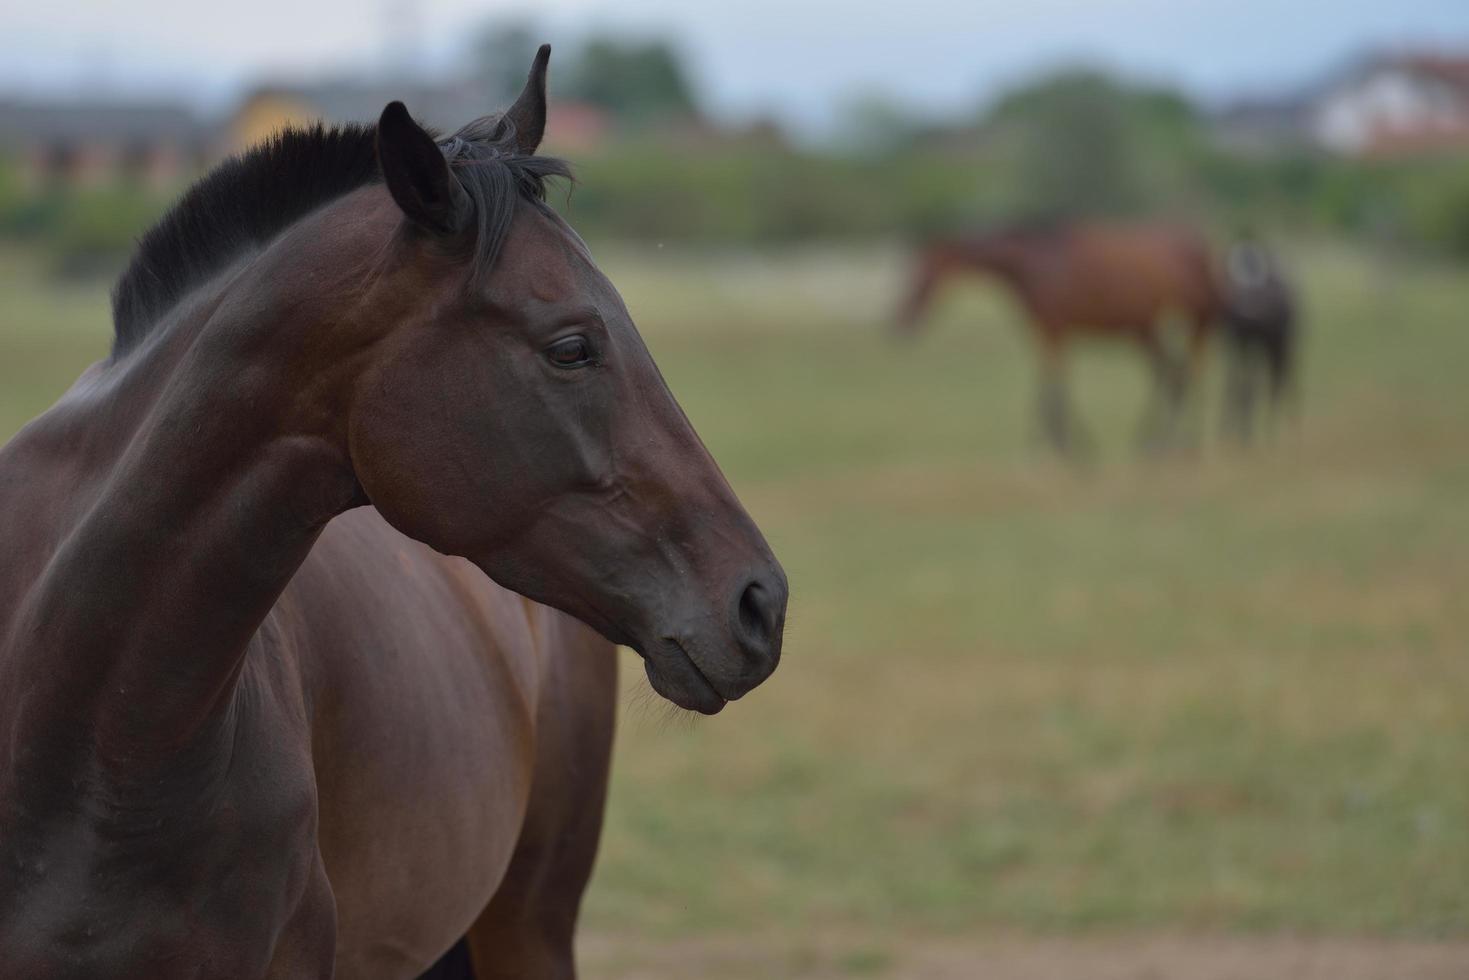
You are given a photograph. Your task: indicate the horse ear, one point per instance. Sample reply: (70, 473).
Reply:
(529, 111)
(417, 174)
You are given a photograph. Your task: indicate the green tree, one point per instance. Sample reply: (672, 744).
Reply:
(639, 82)
(500, 55)
(872, 124)
(1083, 141)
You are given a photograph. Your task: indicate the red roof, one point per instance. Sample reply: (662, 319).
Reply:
(1449, 69)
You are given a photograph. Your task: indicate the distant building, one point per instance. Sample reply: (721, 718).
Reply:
(1263, 126)
(85, 143)
(443, 107)
(1392, 105)
(1396, 105)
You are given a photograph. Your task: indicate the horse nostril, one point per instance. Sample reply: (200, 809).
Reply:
(760, 615)
(753, 617)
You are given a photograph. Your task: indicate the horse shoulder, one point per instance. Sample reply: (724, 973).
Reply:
(422, 678)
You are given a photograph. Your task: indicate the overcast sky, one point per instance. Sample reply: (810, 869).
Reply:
(794, 59)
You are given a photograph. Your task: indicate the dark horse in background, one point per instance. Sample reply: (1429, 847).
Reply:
(1078, 279)
(1261, 333)
(257, 722)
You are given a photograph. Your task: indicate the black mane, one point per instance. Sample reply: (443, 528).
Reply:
(246, 201)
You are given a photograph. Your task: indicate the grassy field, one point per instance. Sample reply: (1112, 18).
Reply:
(1219, 695)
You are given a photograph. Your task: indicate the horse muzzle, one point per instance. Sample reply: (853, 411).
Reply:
(712, 659)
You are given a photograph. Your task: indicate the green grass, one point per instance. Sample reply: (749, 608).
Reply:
(1223, 693)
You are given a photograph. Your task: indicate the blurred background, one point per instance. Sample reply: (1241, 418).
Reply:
(1204, 715)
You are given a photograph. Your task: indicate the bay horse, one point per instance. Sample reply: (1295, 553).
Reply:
(258, 720)
(1076, 278)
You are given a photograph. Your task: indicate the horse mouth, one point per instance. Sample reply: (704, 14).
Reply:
(675, 676)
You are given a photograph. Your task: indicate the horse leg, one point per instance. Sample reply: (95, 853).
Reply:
(1058, 422)
(1155, 427)
(528, 928)
(306, 947)
(1239, 393)
(1191, 371)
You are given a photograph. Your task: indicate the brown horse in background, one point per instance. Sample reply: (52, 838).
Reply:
(257, 722)
(1075, 279)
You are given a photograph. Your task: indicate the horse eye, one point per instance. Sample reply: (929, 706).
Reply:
(573, 352)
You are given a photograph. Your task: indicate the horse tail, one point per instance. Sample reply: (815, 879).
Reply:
(453, 965)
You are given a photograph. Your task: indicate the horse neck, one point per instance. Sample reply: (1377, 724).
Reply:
(937, 263)
(221, 468)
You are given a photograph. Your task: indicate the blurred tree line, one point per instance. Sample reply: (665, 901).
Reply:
(640, 82)
(1075, 142)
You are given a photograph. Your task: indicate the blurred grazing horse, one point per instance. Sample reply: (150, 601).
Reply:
(257, 722)
(1261, 334)
(1115, 281)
